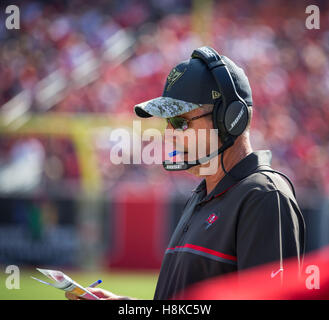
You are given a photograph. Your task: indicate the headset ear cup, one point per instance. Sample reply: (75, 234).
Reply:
(249, 115)
(236, 118)
(214, 115)
(217, 117)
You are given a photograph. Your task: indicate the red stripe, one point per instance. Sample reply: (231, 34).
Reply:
(206, 250)
(219, 194)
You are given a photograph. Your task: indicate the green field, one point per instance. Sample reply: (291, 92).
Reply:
(137, 285)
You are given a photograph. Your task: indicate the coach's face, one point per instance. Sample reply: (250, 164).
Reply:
(195, 141)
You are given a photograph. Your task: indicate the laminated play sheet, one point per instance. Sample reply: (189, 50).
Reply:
(63, 282)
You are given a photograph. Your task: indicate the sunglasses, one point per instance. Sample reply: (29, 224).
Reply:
(180, 123)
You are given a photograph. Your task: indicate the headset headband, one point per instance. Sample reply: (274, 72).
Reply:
(234, 116)
(219, 70)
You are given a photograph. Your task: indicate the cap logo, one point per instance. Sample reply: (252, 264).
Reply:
(173, 76)
(215, 94)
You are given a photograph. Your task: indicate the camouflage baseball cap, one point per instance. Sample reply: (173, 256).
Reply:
(189, 85)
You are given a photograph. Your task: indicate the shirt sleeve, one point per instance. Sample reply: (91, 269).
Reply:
(270, 228)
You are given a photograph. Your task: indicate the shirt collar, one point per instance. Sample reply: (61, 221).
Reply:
(241, 170)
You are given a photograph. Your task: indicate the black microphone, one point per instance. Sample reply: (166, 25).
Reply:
(184, 165)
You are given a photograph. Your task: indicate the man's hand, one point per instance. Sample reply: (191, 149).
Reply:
(101, 293)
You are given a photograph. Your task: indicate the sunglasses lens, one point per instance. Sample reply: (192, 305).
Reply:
(178, 123)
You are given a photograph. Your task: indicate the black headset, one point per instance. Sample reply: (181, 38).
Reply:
(231, 115)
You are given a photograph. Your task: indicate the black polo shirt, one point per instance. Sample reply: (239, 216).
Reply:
(250, 218)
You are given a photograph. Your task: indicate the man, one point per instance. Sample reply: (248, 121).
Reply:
(242, 215)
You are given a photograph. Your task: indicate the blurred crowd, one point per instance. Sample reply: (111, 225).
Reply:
(286, 63)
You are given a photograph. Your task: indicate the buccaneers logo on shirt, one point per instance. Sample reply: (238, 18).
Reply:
(211, 219)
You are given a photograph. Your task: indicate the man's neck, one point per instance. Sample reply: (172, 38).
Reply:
(232, 156)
